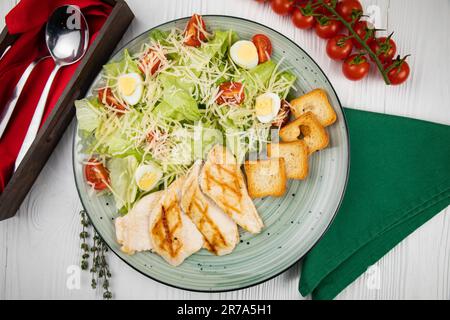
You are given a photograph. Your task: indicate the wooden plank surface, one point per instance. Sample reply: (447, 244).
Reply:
(39, 245)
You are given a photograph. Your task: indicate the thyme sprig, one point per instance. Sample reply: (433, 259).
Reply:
(100, 272)
(84, 235)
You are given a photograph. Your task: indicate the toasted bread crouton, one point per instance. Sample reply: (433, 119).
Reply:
(316, 102)
(308, 129)
(266, 177)
(295, 155)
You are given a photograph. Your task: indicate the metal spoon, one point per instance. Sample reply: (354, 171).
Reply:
(11, 104)
(67, 38)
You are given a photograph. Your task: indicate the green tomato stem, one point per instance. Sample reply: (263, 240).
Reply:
(358, 38)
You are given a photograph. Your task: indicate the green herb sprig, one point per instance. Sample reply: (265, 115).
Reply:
(100, 272)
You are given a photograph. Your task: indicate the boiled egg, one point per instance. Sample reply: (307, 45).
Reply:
(147, 176)
(130, 87)
(267, 107)
(244, 54)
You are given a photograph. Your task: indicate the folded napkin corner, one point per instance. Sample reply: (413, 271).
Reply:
(399, 179)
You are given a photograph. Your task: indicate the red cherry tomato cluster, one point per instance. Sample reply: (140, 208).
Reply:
(349, 39)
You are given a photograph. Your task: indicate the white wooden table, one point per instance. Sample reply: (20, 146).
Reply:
(41, 242)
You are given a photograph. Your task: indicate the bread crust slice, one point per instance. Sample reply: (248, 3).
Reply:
(266, 177)
(308, 129)
(316, 102)
(295, 155)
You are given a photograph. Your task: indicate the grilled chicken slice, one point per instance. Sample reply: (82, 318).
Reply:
(132, 229)
(173, 235)
(219, 231)
(222, 180)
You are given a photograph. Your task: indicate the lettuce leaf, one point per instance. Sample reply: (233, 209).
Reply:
(178, 105)
(204, 138)
(125, 65)
(288, 79)
(220, 43)
(259, 76)
(88, 114)
(117, 139)
(168, 81)
(263, 72)
(122, 180)
(177, 101)
(159, 36)
(117, 144)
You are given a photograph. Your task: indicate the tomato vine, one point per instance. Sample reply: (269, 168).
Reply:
(330, 16)
(362, 42)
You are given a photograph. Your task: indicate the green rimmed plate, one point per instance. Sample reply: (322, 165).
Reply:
(294, 223)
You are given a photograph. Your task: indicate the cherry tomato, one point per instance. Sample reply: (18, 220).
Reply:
(320, 9)
(340, 47)
(195, 31)
(106, 96)
(327, 29)
(350, 10)
(398, 71)
(96, 174)
(264, 47)
(356, 67)
(149, 62)
(301, 19)
(364, 31)
(385, 48)
(283, 115)
(282, 7)
(231, 93)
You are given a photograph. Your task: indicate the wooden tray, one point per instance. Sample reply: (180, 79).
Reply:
(63, 112)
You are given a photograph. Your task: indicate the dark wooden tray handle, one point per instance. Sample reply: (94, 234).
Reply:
(63, 112)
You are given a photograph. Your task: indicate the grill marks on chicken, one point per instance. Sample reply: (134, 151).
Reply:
(219, 231)
(173, 235)
(222, 180)
(165, 229)
(200, 210)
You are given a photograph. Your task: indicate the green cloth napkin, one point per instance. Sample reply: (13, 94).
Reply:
(399, 179)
